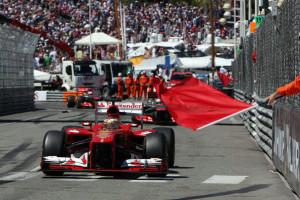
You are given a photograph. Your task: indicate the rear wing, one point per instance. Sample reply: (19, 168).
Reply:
(130, 107)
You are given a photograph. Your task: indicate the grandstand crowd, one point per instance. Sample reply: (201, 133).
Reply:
(68, 21)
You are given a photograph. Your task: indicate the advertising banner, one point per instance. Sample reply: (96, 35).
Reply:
(286, 138)
(124, 106)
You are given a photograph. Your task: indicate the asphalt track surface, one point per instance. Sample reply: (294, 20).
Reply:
(219, 162)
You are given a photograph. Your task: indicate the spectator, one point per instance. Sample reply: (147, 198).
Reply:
(68, 20)
(288, 89)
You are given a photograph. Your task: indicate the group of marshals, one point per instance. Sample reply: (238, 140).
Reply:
(137, 87)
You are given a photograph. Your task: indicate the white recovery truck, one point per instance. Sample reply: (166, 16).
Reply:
(100, 75)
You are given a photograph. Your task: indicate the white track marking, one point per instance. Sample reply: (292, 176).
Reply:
(173, 175)
(223, 179)
(149, 181)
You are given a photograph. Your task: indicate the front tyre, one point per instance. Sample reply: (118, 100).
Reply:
(170, 140)
(156, 147)
(53, 145)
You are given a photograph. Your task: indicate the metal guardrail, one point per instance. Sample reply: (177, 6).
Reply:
(259, 123)
(55, 96)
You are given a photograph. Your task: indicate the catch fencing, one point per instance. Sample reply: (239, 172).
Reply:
(269, 58)
(276, 44)
(16, 69)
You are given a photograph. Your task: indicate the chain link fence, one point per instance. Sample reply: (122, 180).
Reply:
(16, 69)
(277, 47)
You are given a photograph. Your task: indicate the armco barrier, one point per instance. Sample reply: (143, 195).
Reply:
(286, 140)
(54, 96)
(258, 121)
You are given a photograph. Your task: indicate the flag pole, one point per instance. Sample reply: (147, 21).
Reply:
(232, 115)
(90, 23)
(212, 32)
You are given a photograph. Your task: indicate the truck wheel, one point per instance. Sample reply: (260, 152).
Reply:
(105, 92)
(53, 145)
(71, 101)
(170, 140)
(156, 147)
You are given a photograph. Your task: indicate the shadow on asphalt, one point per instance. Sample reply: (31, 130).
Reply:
(251, 188)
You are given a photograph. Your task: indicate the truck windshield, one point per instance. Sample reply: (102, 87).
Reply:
(122, 68)
(85, 69)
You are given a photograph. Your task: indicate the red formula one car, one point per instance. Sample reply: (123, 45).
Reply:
(82, 98)
(108, 147)
(154, 111)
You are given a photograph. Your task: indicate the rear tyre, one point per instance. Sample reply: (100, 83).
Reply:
(53, 145)
(155, 118)
(170, 140)
(156, 147)
(71, 101)
(134, 120)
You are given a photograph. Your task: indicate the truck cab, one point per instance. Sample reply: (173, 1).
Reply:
(81, 74)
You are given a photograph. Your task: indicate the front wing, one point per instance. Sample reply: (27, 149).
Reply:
(72, 164)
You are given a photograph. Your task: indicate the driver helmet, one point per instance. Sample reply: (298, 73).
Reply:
(119, 74)
(113, 112)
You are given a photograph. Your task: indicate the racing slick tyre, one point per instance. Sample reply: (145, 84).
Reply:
(53, 145)
(156, 147)
(155, 118)
(79, 101)
(134, 120)
(170, 140)
(71, 101)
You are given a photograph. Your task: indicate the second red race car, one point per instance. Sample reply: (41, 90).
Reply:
(154, 111)
(108, 147)
(83, 98)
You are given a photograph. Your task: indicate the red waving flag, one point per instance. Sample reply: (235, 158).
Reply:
(194, 104)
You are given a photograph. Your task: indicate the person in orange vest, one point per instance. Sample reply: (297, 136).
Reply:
(128, 84)
(135, 87)
(160, 86)
(120, 86)
(151, 82)
(288, 89)
(143, 80)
